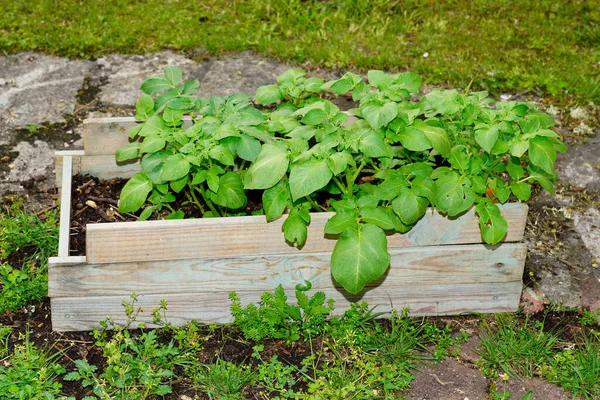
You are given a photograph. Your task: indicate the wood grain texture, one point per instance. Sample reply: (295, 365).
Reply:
(426, 265)
(103, 136)
(58, 164)
(65, 208)
(84, 313)
(240, 236)
(102, 167)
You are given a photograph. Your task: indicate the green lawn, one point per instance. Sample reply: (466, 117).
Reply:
(501, 46)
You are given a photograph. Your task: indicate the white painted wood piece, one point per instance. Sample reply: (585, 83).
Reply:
(65, 208)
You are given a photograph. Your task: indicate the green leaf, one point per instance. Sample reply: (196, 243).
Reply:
(268, 169)
(191, 87)
(409, 81)
(340, 222)
(522, 190)
(179, 184)
(175, 167)
(146, 214)
(128, 152)
(491, 222)
(134, 193)
(518, 147)
(391, 187)
(134, 131)
(152, 165)
(544, 179)
(144, 107)
(377, 216)
(155, 85)
(487, 138)
(424, 187)
(367, 200)
(226, 130)
(414, 139)
(308, 177)
(179, 214)
(172, 117)
(410, 207)
(542, 153)
(379, 115)
(222, 154)
(314, 117)
(313, 85)
(453, 194)
(444, 101)
(247, 147)
(502, 191)
(152, 144)
(438, 137)
(173, 75)
(275, 200)
(372, 145)
(342, 86)
(295, 228)
(359, 257)
(212, 180)
(153, 126)
(380, 79)
(231, 192)
(268, 94)
(459, 158)
(514, 168)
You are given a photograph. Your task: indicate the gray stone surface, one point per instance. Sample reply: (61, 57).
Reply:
(587, 224)
(36, 88)
(580, 166)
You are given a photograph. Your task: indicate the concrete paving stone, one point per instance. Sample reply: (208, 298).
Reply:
(36, 88)
(34, 161)
(580, 166)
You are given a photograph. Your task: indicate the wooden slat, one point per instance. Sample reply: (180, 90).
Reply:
(84, 313)
(240, 236)
(103, 136)
(102, 167)
(409, 266)
(58, 164)
(65, 207)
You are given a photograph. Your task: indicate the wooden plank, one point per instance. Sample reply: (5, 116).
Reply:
(240, 236)
(58, 164)
(103, 136)
(101, 166)
(84, 313)
(65, 207)
(428, 265)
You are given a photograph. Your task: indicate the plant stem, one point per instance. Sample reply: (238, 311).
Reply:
(193, 198)
(351, 180)
(339, 184)
(313, 203)
(200, 189)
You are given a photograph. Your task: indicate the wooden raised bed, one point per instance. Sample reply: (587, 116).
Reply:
(440, 267)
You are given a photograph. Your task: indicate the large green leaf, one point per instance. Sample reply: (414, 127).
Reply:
(231, 191)
(153, 126)
(247, 147)
(275, 200)
(144, 107)
(391, 187)
(152, 144)
(268, 94)
(444, 101)
(487, 137)
(128, 152)
(438, 137)
(491, 222)
(543, 178)
(372, 145)
(134, 193)
(377, 216)
(295, 226)
(268, 169)
(414, 139)
(308, 177)
(360, 256)
(522, 190)
(410, 207)
(173, 75)
(155, 85)
(175, 167)
(454, 194)
(379, 115)
(542, 153)
(340, 222)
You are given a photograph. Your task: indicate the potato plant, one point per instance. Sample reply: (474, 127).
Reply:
(379, 172)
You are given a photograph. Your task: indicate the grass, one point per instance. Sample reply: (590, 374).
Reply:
(26, 242)
(500, 46)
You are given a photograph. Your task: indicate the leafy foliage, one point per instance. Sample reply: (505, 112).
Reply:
(380, 173)
(277, 319)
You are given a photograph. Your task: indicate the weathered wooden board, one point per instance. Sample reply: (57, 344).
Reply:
(225, 237)
(65, 208)
(103, 136)
(428, 265)
(84, 313)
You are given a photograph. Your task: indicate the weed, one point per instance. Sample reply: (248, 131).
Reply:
(590, 318)
(221, 380)
(30, 373)
(518, 349)
(577, 368)
(135, 368)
